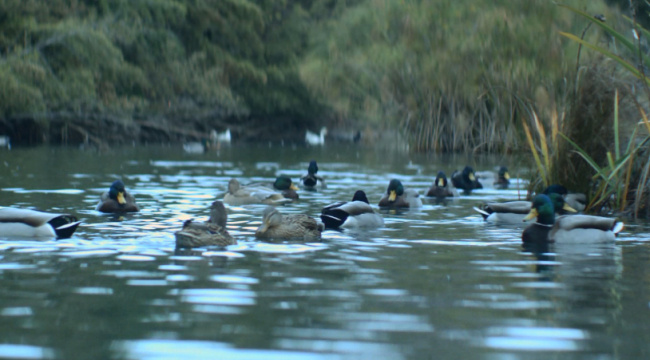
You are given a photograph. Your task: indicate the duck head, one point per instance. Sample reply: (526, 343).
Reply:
(283, 182)
(542, 209)
(503, 174)
(395, 189)
(218, 214)
(270, 217)
(441, 179)
(313, 167)
(468, 173)
(360, 196)
(233, 185)
(117, 191)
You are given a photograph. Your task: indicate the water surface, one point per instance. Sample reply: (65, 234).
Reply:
(433, 283)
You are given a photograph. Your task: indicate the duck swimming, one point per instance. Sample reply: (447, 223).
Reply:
(212, 232)
(117, 200)
(311, 179)
(354, 214)
(255, 194)
(440, 188)
(465, 180)
(502, 179)
(288, 227)
(567, 229)
(26, 223)
(286, 187)
(514, 212)
(397, 197)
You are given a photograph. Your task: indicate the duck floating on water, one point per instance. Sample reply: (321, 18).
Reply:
(276, 226)
(117, 200)
(316, 139)
(568, 229)
(212, 232)
(396, 197)
(354, 214)
(465, 180)
(440, 188)
(311, 179)
(26, 223)
(254, 194)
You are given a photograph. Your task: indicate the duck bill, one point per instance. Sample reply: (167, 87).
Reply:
(441, 182)
(506, 176)
(568, 208)
(531, 215)
(120, 198)
(293, 187)
(392, 195)
(472, 177)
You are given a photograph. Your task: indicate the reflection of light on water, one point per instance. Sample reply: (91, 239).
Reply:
(11, 351)
(180, 349)
(535, 338)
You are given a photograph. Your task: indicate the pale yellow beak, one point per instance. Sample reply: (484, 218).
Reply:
(531, 215)
(568, 208)
(120, 198)
(441, 182)
(472, 177)
(392, 196)
(293, 187)
(506, 176)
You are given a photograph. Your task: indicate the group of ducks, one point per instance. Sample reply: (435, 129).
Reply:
(358, 213)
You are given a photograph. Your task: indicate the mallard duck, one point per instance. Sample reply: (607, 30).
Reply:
(354, 214)
(514, 212)
(212, 232)
(288, 227)
(567, 229)
(440, 188)
(311, 179)
(36, 224)
(577, 201)
(398, 197)
(243, 195)
(286, 186)
(117, 200)
(316, 139)
(465, 180)
(502, 179)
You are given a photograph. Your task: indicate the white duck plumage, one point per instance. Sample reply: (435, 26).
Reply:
(316, 139)
(354, 214)
(36, 224)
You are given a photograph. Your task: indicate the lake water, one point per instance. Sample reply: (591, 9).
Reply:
(434, 283)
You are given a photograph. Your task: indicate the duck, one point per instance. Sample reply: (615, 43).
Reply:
(577, 201)
(25, 223)
(316, 139)
(354, 214)
(196, 147)
(440, 188)
(286, 186)
(276, 226)
(117, 200)
(311, 179)
(223, 137)
(255, 194)
(465, 180)
(397, 197)
(566, 229)
(502, 180)
(514, 212)
(212, 232)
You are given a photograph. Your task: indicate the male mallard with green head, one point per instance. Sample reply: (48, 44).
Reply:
(254, 194)
(502, 179)
(286, 187)
(212, 232)
(311, 179)
(465, 180)
(440, 188)
(288, 227)
(567, 229)
(25, 223)
(514, 212)
(117, 200)
(354, 214)
(397, 197)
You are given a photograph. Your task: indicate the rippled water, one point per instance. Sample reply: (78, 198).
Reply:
(433, 283)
